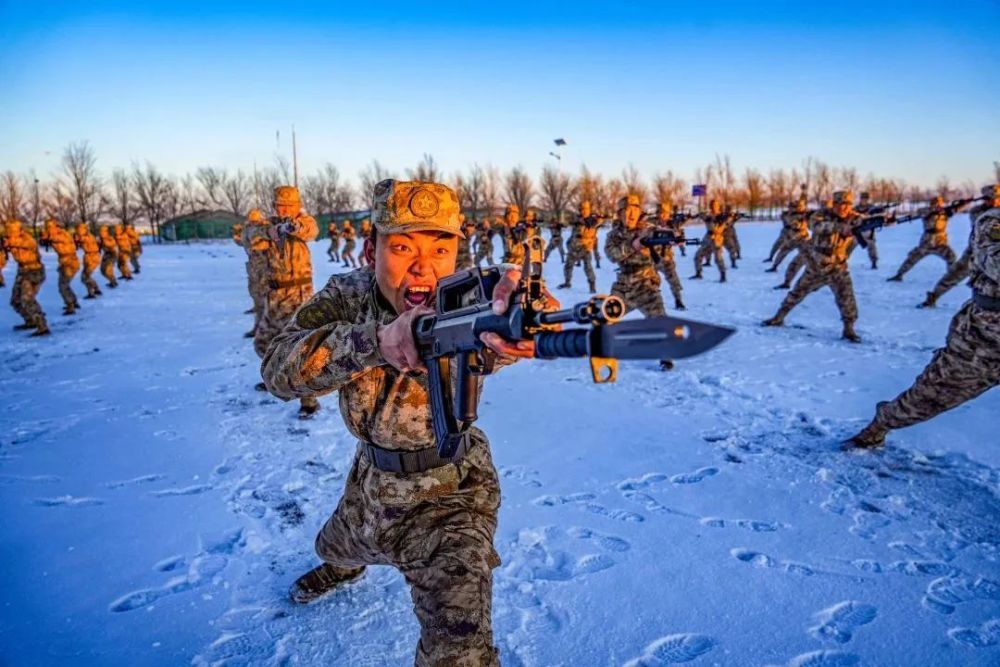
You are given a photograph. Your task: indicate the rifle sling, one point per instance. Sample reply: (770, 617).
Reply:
(411, 462)
(990, 303)
(295, 282)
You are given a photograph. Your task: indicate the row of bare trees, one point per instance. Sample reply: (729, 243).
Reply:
(143, 193)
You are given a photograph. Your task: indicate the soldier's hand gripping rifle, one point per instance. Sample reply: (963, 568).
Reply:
(956, 205)
(872, 223)
(661, 238)
(449, 344)
(879, 209)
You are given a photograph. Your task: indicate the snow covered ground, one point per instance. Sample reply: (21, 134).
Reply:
(156, 507)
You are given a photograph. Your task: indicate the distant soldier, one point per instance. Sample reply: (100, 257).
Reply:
(3, 255)
(678, 221)
(30, 275)
(109, 255)
(513, 253)
(60, 240)
(731, 240)
(556, 238)
(715, 236)
(787, 216)
(665, 262)
(366, 231)
(464, 258)
(484, 242)
(350, 235)
(826, 264)
(124, 253)
(86, 242)
(864, 206)
(969, 363)
(256, 266)
(582, 242)
(798, 238)
(637, 282)
(333, 252)
(136, 243)
(959, 269)
(934, 240)
(288, 269)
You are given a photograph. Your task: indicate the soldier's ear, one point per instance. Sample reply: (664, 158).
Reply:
(369, 249)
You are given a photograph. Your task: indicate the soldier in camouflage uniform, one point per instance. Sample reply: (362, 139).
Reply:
(959, 269)
(969, 363)
(287, 270)
(799, 238)
(582, 242)
(366, 231)
(711, 245)
(256, 266)
(124, 252)
(60, 240)
(512, 250)
(484, 242)
(333, 252)
(636, 283)
(464, 259)
(934, 240)
(664, 261)
(783, 236)
(3, 258)
(109, 255)
(136, 243)
(731, 240)
(30, 276)
(350, 235)
(826, 265)
(863, 207)
(556, 238)
(86, 242)
(436, 521)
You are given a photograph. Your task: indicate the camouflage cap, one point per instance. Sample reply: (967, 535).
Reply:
(628, 200)
(511, 208)
(256, 216)
(991, 191)
(843, 197)
(287, 195)
(12, 226)
(401, 207)
(865, 196)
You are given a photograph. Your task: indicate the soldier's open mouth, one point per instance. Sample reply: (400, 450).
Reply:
(418, 295)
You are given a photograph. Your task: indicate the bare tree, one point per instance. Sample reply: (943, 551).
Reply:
(79, 165)
(32, 209)
(59, 203)
(996, 171)
(283, 169)
(123, 204)
(608, 195)
(492, 186)
(778, 189)
(557, 190)
(943, 187)
(823, 181)
(848, 179)
(12, 196)
(753, 185)
(588, 187)
(634, 184)
(237, 191)
(669, 189)
(426, 171)
(725, 189)
(211, 180)
(186, 195)
(518, 188)
(368, 177)
(152, 189)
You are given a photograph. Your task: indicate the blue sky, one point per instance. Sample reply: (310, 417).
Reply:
(907, 89)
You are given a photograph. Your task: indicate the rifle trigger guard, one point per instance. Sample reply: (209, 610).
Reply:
(603, 370)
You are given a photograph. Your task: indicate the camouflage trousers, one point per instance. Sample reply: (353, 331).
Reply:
(464, 258)
(790, 243)
(838, 279)
(577, 253)
(333, 252)
(124, 265)
(732, 245)
(779, 243)
(280, 305)
(108, 268)
(872, 249)
(640, 290)
(668, 267)
(967, 366)
(23, 296)
(437, 529)
(257, 287)
(795, 266)
(556, 243)
(956, 273)
(134, 259)
(90, 262)
(484, 250)
(924, 248)
(597, 257)
(709, 249)
(66, 274)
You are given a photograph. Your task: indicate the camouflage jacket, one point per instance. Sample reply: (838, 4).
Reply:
(87, 243)
(618, 248)
(24, 249)
(62, 242)
(288, 258)
(984, 273)
(255, 241)
(108, 245)
(832, 240)
(331, 345)
(935, 227)
(715, 228)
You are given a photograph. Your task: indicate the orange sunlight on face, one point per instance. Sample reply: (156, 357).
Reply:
(408, 266)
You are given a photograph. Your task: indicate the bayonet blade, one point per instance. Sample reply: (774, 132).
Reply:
(659, 338)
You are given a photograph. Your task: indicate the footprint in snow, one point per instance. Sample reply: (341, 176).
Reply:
(144, 479)
(758, 559)
(607, 542)
(68, 501)
(839, 622)
(673, 650)
(694, 477)
(986, 635)
(746, 524)
(184, 491)
(945, 593)
(824, 659)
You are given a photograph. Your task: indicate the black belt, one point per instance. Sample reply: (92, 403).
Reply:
(297, 282)
(408, 462)
(985, 302)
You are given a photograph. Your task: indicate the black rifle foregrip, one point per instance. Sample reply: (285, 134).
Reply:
(571, 343)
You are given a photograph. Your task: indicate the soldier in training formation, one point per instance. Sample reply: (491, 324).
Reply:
(484, 242)
(464, 260)
(350, 242)
(795, 236)
(22, 247)
(61, 241)
(933, 241)
(433, 519)
(664, 260)
(333, 252)
(969, 363)
(555, 239)
(864, 207)
(715, 237)
(256, 266)
(582, 243)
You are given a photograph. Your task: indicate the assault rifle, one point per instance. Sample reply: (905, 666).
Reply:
(953, 207)
(878, 209)
(449, 345)
(874, 222)
(664, 237)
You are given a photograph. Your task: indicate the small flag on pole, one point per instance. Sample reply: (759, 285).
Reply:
(559, 142)
(699, 190)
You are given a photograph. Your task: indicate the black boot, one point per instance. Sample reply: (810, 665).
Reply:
(929, 302)
(321, 580)
(773, 269)
(307, 410)
(593, 288)
(666, 365)
(260, 386)
(564, 286)
(782, 286)
(679, 305)
(774, 322)
(894, 279)
(23, 327)
(870, 437)
(248, 334)
(850, 334)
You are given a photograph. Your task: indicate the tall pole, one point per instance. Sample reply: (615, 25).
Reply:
(295, 159)
(34, 210)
